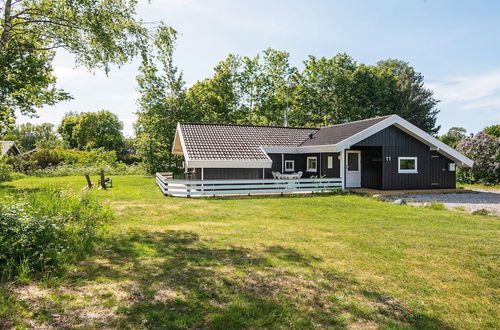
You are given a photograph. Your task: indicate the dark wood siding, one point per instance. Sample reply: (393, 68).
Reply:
(330, 172)
(300, 162)
(396, 143)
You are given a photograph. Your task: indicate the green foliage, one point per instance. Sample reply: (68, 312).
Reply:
(46, 230)
(484, 150)
(5, 170)
(26, 81)
(29, 136)
(493, 130)
(91, 130)
(454, 135)
(161, 104)
(98, 33)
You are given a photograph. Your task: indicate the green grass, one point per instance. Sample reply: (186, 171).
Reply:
(480, 186)
(331, 261)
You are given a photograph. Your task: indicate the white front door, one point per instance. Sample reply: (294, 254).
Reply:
(353, 169)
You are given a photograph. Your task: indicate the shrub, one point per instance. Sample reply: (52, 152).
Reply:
(485, 151)
(46, 230)
(5, 170)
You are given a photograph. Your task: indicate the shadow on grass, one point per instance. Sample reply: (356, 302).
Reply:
(180, 281)
(175, 280)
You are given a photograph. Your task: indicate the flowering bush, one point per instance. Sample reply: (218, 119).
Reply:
(484, 150)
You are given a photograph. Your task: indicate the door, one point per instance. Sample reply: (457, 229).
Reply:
(438, 169)
(353, 169)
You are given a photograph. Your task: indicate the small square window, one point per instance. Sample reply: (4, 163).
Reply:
(312, 164)
(289, 165)
(407, 165)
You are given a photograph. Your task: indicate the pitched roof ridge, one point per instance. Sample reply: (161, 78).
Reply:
(247, 125)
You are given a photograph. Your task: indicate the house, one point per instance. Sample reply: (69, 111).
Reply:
(9, 148)
(379, 153)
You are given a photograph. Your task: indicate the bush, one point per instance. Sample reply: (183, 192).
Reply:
(46, 230)
(484, 150)
(117, 169)
(5, 170)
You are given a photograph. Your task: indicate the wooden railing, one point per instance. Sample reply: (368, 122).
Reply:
(191, 188)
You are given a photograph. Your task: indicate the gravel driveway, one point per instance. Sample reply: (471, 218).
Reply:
(480, 199)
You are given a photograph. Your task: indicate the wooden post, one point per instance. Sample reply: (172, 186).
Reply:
(103, 180)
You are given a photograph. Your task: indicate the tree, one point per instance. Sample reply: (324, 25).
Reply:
(29, 136)
(93, 130)
(98, 33)
(493, 130)
(484, 150)
(453, 137)
(67, 126)
(161, 104)
(411, 100)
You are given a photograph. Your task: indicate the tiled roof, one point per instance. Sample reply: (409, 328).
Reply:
(238, 142)
(337, 133)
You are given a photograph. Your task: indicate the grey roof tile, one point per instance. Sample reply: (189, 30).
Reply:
(337, 133)
(238, 142)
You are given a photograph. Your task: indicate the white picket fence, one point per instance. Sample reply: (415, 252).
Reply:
(194, 188)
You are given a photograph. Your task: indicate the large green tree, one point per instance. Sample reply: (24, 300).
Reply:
(99, 33)
(161, 104)
(453, 136)
(29, 136)
(93, 130)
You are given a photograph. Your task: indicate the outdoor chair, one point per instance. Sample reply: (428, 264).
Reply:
(108, 182)
(274, 175)
(299, 174)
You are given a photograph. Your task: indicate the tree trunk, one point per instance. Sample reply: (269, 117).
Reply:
(103, 180)
(7, 25)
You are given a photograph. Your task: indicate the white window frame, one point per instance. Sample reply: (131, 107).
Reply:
(293, 165)
(330, 162)
(310, 169)
(405, 170)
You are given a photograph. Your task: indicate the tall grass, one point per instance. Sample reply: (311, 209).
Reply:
(43, 231)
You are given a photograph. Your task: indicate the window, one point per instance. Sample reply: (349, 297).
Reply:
(353, 161)
(330, 161)
(289, 165)
(407, 165)
(312, 164)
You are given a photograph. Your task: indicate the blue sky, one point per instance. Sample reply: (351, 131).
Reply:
(455, 44)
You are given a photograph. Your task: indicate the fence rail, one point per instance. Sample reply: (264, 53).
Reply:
(189, 188)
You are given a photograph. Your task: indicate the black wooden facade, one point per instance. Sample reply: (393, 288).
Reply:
(380, 152)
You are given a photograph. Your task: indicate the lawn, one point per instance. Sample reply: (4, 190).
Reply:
(327, 261)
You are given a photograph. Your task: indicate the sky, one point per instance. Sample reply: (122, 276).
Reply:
(454, 44)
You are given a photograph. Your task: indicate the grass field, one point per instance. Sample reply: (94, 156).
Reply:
(331, 261)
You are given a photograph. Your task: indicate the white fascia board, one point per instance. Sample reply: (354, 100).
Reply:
(229, 164)
(428, 139)
(353, 139)
(180, 138)
(412, 130)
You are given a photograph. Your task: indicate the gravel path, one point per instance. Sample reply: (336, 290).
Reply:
(480, 199)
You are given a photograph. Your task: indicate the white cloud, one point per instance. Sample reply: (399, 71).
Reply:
(467, 88)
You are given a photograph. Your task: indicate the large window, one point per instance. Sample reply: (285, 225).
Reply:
(407, 165)
(312, 164)
(289, 165)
